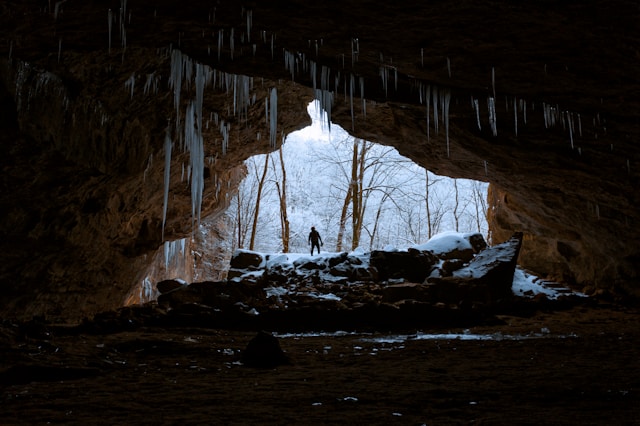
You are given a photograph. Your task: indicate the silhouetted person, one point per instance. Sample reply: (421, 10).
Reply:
(315, 240)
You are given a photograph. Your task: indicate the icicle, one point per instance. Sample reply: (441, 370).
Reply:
(151, 84)
(445, 112)
(524, 112)
(195, 145)
(486, 172)
(492, 115)
(384, 75)
(364, 101)
(628, 166)
(435, 99)
(355, 50)
(231, 43)
(110, 22)
(449, 67)
(476, 106)
(220, 42)
(59, 49)
(579, 125)
(167, 176)
(273, 117)
(175, 80)
(570, 126)
(422, 57)
(351, 84)
(428, 102)
(249, 24)
(272, 47)
(130, 84)
(515, 116)
(395, 78)
(493, 81)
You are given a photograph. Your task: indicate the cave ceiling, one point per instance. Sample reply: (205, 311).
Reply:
(86, 106)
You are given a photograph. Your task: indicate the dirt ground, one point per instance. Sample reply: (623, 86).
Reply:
(573, 366)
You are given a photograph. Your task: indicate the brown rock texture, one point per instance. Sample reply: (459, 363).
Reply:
(83, 125)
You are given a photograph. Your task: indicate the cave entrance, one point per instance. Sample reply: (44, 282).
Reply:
(400, 204)
(329, 174)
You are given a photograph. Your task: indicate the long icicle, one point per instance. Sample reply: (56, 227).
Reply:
(167, 176)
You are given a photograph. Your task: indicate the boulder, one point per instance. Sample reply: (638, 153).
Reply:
(487, 278)
(477, 241)
(264, 351)
(412, 265)
(245, 259)
(449, 245)
(166, 286)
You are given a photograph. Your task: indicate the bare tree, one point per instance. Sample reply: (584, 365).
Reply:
(257, 204)
(282, 197)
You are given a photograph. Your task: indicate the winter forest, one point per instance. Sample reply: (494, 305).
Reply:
(356, 193)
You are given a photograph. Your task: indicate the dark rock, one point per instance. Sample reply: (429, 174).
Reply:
(397, 292)
(413, 265)
(477, 241)
(487, 279)
(450, 265)
(264, 351)
(243, 259)
(169, 285)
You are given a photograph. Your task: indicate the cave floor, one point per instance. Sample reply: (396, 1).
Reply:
(573, 366)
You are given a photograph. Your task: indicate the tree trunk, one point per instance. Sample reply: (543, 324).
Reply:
(257, 208)
(282, 195)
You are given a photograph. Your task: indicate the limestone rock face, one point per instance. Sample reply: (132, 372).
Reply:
(83, 123)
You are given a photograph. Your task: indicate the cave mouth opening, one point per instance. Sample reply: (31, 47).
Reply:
(323, 174)
(401, 204)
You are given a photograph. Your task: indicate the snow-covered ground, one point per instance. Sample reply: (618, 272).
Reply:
(524, 284)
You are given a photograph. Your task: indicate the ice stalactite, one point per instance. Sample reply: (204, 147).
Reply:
(515, 116)
(324, 97)
(364, 101)
(225, 129)
(231, 43)
(110, 23)
(220, 42)
(445, 113)
(395, 78)
(491, 103)
(290, 63)
(273, 117)
(428, 103)
(355, 51)
(351, 89)
(151, 85)
(570, 126)
(476, 106)
(579, 125)
(172, 249)
(249, 24)
(449, 67)
(384, 75)
(59, 49)
(167, 176)
(422, 57)
(175, 80)
(312, 73)
(493, 81)
(435, 99)
(195, 145)
(272, 47)
(130, 84)
(486, 171)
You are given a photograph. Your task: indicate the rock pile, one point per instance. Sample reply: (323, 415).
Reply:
(380, 287)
